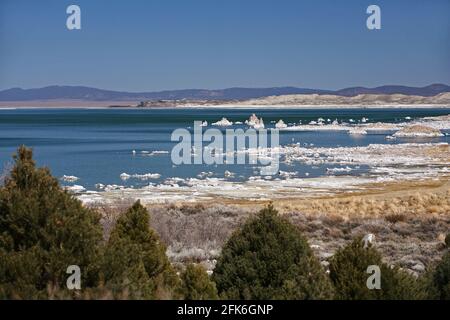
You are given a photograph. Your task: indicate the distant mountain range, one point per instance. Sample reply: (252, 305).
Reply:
(93, 94)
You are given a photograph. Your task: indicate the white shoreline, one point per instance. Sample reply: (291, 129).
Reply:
(386, 164)
(241, 106)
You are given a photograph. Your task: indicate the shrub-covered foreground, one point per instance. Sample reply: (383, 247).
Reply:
(44, 230)
(268, 258)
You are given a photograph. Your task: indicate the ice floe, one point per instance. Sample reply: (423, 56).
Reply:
(357, 131)
(287, 174)
(153, 153)
(224, 122)
(204, 174)
(228, 174)
(125, 176)
(252, 120)
(255, 122)
(280, 124)
(438, 123)
(259, 125)
(335, 170)
(69, 178)
(75, 188)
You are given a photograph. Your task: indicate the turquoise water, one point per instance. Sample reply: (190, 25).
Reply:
(96, 144)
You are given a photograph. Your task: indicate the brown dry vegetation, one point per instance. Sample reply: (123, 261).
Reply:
(419, 129)
(409, 220)
(431, 198)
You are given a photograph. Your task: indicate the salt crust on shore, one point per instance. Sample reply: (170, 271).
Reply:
(387, 163)
(430, 123)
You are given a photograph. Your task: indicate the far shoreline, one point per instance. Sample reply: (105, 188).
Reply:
(111, 105)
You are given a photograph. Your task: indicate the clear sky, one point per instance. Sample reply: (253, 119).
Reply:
(147, 45)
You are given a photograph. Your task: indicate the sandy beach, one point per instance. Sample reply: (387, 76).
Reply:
(441, 100)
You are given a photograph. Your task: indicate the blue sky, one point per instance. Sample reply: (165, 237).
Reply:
(147, 45)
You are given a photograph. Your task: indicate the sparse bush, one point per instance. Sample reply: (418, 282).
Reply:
(135, 260)
(348, 271)
(43, 230)
(394, 218)
(268, 258)
(447, 240)
(196, 236)
(196, 284)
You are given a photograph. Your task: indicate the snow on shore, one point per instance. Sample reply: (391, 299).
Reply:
(426, 127)
(382, 163)
(224, 122)
(386, 163)
(69, 178)
(418, 131)
(125, 176)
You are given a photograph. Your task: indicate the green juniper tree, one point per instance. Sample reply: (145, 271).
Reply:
(439, 279)
(268, 258)
(43, 230)
(196, 284)
(348, 271)
(135, 264)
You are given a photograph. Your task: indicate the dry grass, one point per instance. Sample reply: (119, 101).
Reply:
(109, 214)
(408, 199)
(395, 217)
(195, 233)
(408, 221)
(419, 129)
(441, 152)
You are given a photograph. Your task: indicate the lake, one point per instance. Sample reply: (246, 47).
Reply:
(96, 145)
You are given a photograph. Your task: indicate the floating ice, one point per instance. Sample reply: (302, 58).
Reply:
(357, 131)
(224, 122)
(146, 176)
(287, 174)
(204, 174)
(254, 122)
(228, 174)
(75, 188)
(334, 170)
(280, 124)
(69, 178)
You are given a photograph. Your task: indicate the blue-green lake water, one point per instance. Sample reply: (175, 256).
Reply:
(96, 144)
